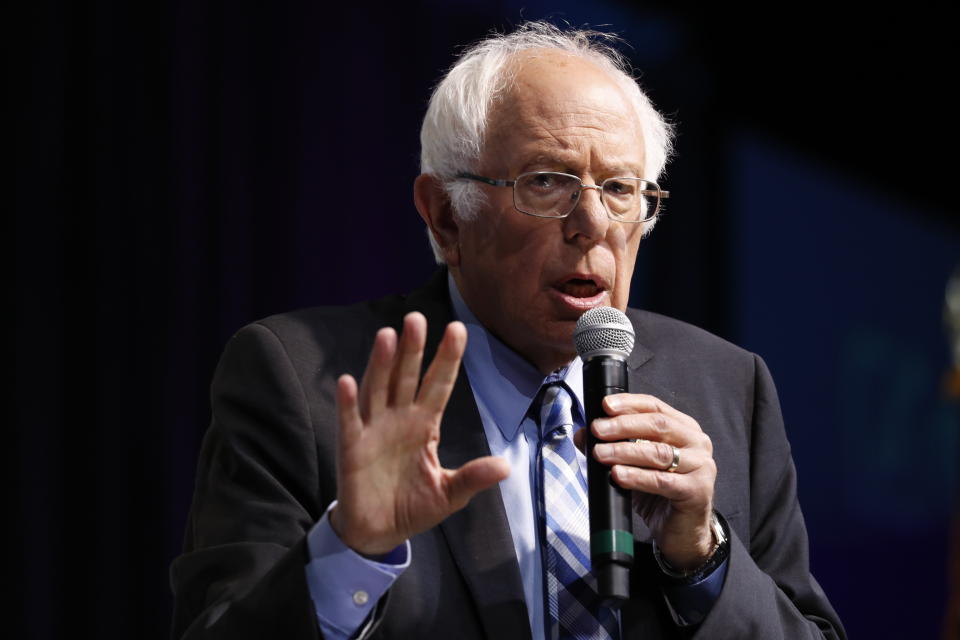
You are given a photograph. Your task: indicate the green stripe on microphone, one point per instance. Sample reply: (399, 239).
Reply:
(611, 541)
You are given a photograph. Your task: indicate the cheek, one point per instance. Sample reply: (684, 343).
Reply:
(499, 259)
(506, 241)
(624, 244)
(624, 238)
(492, 234)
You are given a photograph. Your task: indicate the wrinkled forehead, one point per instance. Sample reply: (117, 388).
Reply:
(547, 76)
(557, 101)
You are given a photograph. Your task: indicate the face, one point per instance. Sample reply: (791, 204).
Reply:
(529, 279)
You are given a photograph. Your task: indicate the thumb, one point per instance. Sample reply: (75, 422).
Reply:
(474, 477)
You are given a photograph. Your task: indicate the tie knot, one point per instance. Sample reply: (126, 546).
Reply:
(556, 415)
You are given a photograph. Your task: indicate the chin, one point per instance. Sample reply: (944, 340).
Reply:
(554, 347)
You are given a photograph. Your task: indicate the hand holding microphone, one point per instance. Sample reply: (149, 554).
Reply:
(639, 449)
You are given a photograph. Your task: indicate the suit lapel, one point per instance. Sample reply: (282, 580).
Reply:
(479, 534)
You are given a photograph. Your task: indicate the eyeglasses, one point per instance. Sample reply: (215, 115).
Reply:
(548, 194)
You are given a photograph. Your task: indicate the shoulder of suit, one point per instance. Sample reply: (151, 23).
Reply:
(669, 337)
(330, 325)
(362, 319)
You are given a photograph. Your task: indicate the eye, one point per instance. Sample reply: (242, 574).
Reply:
(620, 187)
(543, 181)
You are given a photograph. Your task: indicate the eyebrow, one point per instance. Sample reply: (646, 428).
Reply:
(621, 171)
(558, 164)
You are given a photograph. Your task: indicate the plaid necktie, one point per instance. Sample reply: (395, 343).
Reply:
(573, 609)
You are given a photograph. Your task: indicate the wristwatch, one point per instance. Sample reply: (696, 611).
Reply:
(721, 549)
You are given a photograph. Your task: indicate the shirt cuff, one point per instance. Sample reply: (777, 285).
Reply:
(689, 604)
(345, 586)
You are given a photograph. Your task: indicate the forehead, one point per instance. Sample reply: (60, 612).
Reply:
(563, 111)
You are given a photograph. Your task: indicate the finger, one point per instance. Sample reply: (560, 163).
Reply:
(405, 376)
(440, 377)
(348, 414)
(658, 427)
(474, 477)
(374, 386)
(657, 456)
(620, 403)
(679, 488)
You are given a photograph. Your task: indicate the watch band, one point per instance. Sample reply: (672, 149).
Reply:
(721, 549)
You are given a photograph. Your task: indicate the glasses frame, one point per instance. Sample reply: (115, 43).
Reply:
(657, 191)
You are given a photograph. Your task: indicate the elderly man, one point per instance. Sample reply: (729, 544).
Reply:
(424, 504)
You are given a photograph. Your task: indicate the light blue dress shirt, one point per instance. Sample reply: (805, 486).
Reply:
(345, 586)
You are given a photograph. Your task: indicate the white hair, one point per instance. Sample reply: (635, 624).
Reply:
(453, 131)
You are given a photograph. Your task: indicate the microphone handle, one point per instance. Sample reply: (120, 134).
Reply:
(611, 521)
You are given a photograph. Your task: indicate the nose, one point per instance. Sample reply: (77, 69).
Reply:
(588, 223)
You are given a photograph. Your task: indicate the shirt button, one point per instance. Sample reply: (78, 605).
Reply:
(360, 597)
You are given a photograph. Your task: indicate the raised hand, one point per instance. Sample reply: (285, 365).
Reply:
(390, 485)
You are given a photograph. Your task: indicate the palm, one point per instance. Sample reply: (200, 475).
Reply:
(391, 485)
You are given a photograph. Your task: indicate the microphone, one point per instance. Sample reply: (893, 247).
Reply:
(604, 340)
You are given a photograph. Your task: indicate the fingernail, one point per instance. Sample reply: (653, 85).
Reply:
(602, 450)
(601, 427)
(613, 403)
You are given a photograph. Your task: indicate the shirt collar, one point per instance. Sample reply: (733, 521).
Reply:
(503, 381)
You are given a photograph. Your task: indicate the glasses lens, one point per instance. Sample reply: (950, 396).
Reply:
(550, 195)
(631, 199)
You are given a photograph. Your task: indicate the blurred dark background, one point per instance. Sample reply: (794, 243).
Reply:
(184, 168)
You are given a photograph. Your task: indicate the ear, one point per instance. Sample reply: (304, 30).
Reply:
(434, 206)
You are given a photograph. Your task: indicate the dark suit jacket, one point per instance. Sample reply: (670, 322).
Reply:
(266, 475)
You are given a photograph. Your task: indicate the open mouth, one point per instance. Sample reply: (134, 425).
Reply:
(581, 291)
(580, 287)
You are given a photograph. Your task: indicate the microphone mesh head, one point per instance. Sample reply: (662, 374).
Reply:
(603, 331)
